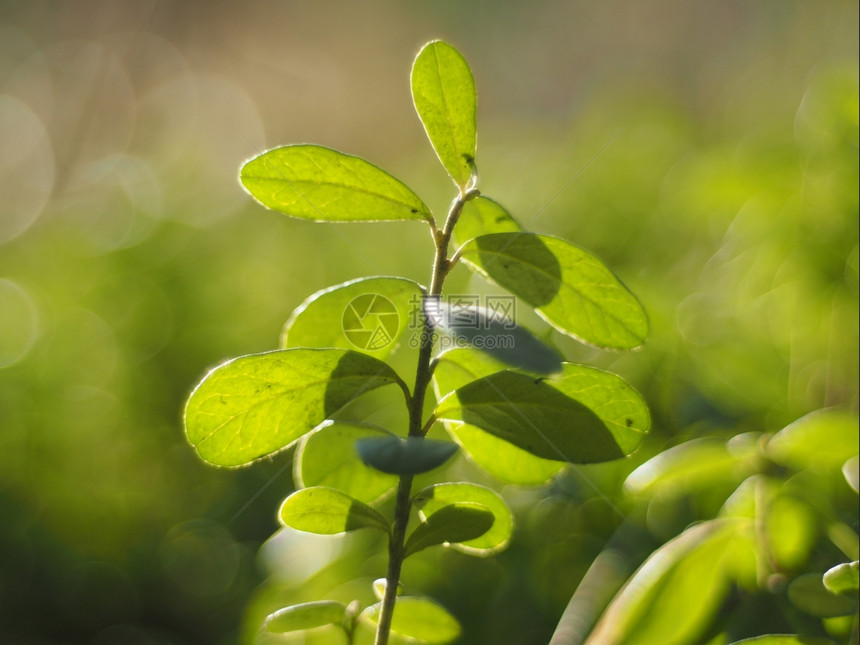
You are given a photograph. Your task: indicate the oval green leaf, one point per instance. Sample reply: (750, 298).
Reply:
(583, 415)
(409, 456)
(443, 91)
(458, 522)
(419, 619)
(809, 594)
(326, 457)
(482, 216)
(492, 332)
(256, 405)
(827, 438)
(851, 471)
(504, 461)
(571, 289)
(843, 578)
(367, 315)
(328, 511)
(379, 586)
(305, 616)
(317, 183)
(434, 498)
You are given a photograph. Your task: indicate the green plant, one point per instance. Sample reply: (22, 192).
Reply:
(506, 398)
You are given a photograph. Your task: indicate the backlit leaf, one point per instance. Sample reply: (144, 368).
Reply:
(569, 288)
(327, 457)
(843, 578)
(443, 91)
(409, 456)
(305, 616)
(328, 511)
(582, 415)
(458, 522)
(505, 461)
(809, 594)
(436, 497)
(493, 333)
(419, 619)
(256, 405)
(482, 216)
(367, 315)
(824, 437)
(321, 184)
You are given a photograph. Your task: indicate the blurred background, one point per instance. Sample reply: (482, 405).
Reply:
(707, 151)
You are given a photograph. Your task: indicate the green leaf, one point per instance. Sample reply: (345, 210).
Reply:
(784, 639)
(367, 315)
(434, 498)
(305, 616)
(809, 594)
(419, 619)
(843, 578)
(582, 415)
(459, 522)
(328, 511)
(482, 216)
(571, 289)
(826, 438)
(493, 333)
(443, 91)
(326, 457)
(379, 586)
(791, 527)
(256, 405)
(851, 470)
(503, 460)
(681, 586)
(409, 456)
(321, 184)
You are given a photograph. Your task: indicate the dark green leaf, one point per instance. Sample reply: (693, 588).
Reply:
(482, 216)
(459, 522)
(582, 415)
(409, 456)
(493, 333)
(328, 511)
(843, 578)
(367, 315)
(568, 287)
(321, 184)
(809, 594)
(326, 457)
(434, 498)
(256, 405)
(305, 616)
(503, 460)
(443, 91)
(419, 619)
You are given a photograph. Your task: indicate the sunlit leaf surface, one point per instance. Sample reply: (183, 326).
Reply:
(328, 511)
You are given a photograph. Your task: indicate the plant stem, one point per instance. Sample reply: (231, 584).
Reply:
(403, 502)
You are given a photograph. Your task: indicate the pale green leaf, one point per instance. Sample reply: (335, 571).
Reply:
(673, 597)
(321, 184)
(328, 511)
(493, 333)
(826, 438)
(851, 470)
(458, 522)
(419, 619)
(505, 461)
(367, 315)
(256, 405)
(327, 457)
(809, 594)
(305, 616)
(569, 288)
(792, 528)
(409, 456)
(582, 415)
(381, 584)
(843, 578)
(482, 216)
(443, 91)
(784, 639)
(434, 498)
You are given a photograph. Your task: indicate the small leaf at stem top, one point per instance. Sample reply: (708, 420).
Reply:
(443, 91)
(318, 183)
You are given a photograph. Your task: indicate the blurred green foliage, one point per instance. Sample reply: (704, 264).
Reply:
(706, 151)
